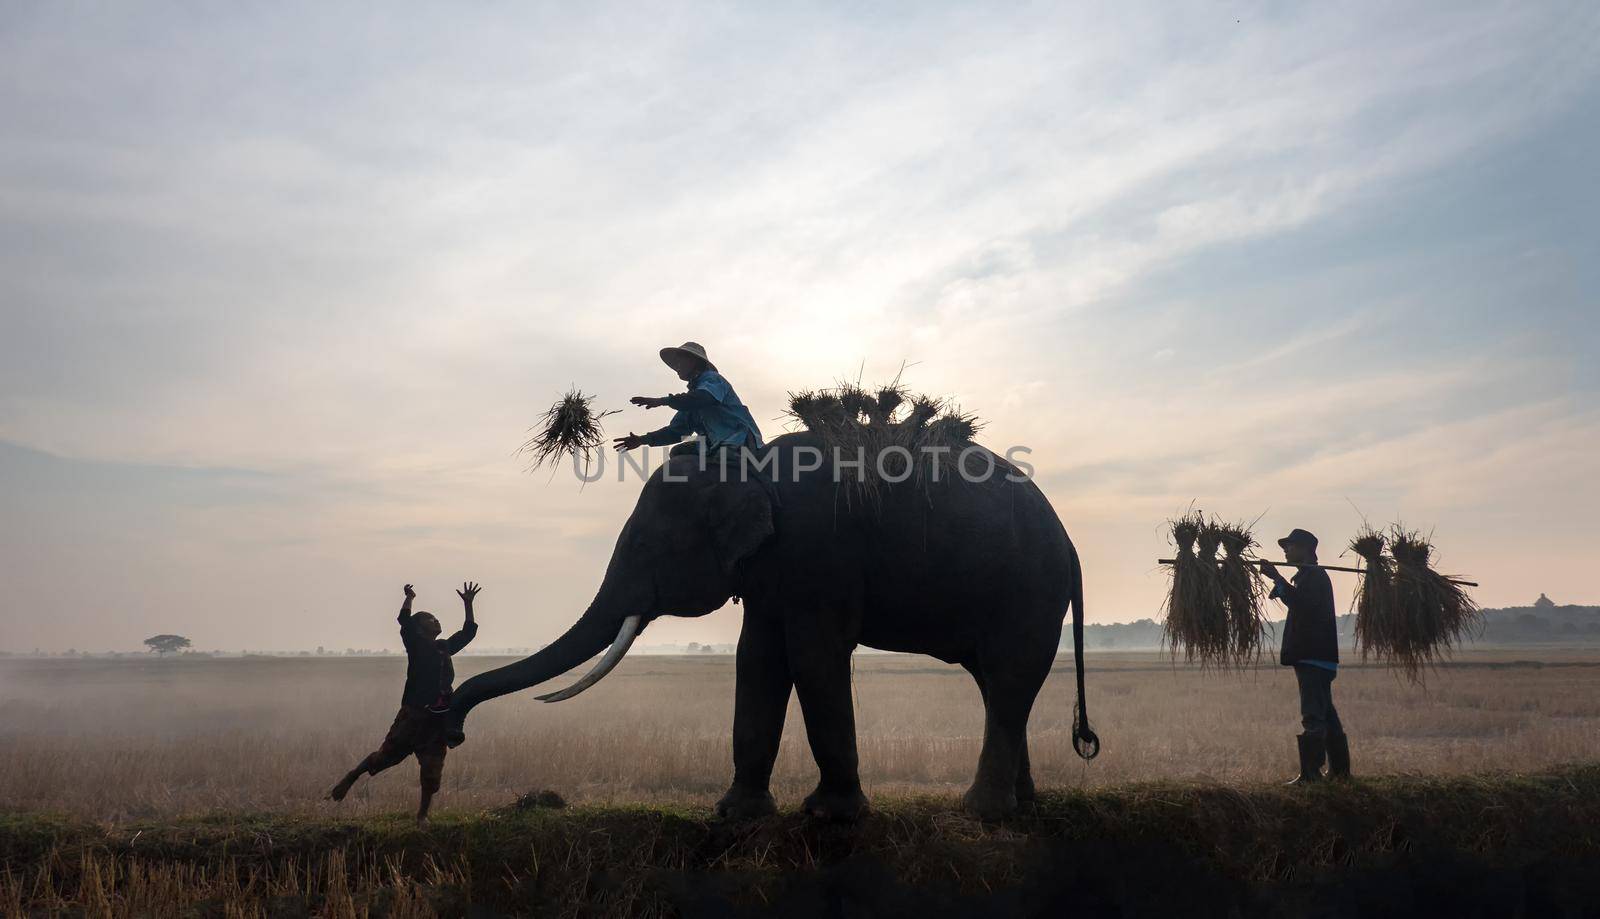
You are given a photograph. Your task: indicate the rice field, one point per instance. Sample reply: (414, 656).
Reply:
(144, 739)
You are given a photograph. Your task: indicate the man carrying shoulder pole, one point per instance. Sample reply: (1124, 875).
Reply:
(1311, 647)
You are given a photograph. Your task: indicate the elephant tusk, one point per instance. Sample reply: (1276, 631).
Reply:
(619, 647)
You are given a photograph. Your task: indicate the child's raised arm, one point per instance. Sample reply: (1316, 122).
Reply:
(459, 640)
(406, 630)
(405, 608)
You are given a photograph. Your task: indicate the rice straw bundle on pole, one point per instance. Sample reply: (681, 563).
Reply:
(1194, 601)
(1376, 602)
(1241, 593)
(570, 427)
(1213, 619)
(1427, 615)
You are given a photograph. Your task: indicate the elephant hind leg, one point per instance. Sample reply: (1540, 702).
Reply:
(1025, 792)
(820, 665)
(1009, 682)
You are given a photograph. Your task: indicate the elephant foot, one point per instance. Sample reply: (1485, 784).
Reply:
(745, 804)
(990, 804)
(1027, 797)
(834, 806)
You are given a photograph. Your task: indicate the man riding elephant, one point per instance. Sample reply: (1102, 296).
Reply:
(710, 407)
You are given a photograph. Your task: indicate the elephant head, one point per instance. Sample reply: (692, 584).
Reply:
(679, 554)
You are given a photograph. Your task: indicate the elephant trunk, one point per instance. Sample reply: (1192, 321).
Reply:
(592, 633)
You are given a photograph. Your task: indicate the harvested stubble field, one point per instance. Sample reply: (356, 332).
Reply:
(192, 786)
(1503, 845)
(121, 739)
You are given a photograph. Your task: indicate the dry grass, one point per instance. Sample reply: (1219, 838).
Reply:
(569, 427)
(1505, 844)
(191, 787)
(1407, 614)
(151, 739)
(900, 436)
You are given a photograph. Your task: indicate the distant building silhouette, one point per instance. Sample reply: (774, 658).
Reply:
(1544, 602)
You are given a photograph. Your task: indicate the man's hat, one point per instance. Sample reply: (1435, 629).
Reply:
(1301, 537)
(674, 357)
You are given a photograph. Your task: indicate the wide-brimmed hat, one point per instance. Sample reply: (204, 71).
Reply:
(1300, 537)
(689, 349)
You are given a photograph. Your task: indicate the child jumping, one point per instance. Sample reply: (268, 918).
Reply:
(430, 676)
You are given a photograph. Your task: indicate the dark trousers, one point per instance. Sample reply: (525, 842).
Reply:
(1317, 715)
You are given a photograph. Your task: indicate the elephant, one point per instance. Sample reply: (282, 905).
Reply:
(973, 572)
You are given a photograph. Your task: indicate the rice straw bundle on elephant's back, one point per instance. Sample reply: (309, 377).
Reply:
(1407, 614)
(886, 429)
(570, 427)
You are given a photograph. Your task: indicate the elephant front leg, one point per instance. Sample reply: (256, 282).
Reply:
(760, 703)
(821, 673)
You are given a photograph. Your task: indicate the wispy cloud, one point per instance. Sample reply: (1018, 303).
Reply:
(1241, 254)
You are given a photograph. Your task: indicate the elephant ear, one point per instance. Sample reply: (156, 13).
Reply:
(741, 520)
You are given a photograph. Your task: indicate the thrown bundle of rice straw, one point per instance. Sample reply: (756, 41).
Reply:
(570, 427)
(1407, 614)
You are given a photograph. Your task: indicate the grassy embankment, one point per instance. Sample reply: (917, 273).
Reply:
(1495, 844)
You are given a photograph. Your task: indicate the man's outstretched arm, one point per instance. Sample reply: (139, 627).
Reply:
(693, 399)
(682, 423)
(699, 397)
(469, 629)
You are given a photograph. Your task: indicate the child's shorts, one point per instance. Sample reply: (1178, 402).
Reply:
(415, 731)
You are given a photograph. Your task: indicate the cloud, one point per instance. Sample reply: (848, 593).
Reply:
(1182, 251)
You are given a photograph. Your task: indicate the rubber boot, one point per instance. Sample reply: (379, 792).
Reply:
(1312, 753)
(1338, 756)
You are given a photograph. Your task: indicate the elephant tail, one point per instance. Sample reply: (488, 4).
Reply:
(1084, 739)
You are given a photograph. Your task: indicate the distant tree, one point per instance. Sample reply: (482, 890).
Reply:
(166, 644)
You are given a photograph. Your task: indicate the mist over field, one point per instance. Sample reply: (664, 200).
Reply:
(152, 738)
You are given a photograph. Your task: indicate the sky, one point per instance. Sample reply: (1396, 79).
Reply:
(283, 286)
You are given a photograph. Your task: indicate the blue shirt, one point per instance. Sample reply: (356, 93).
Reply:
(711, 409)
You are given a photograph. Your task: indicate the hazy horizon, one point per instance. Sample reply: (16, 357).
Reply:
(283, 288)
